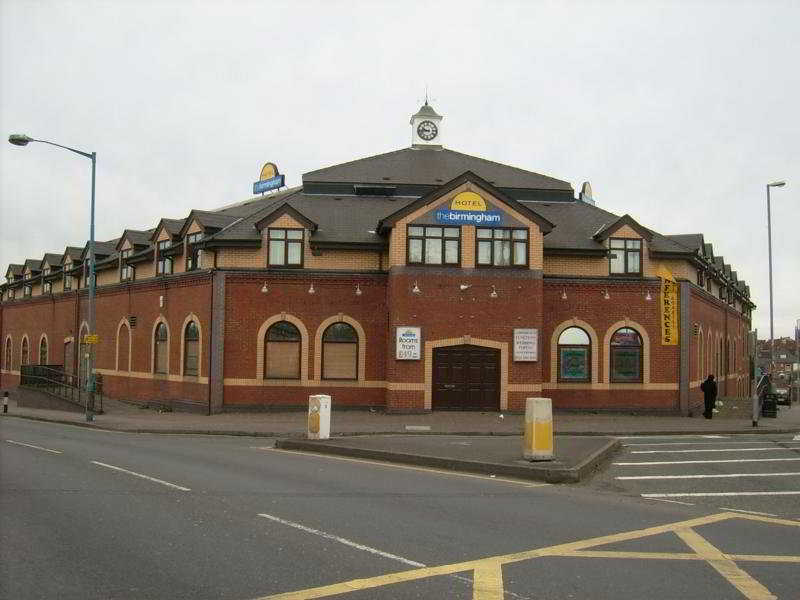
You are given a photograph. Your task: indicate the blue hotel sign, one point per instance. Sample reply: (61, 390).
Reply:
(468, 208)
(270, 179)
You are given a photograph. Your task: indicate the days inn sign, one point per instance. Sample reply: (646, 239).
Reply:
(269, 179)
(468, 208)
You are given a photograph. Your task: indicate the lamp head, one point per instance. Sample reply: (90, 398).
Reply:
(773, 184)
(19, 139)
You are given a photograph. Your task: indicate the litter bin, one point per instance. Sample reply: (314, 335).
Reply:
(769, 407)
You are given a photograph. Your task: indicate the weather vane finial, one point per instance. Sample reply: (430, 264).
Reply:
(426, 94)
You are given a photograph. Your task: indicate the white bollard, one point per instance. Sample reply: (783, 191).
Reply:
(319, 417)
(538, 440)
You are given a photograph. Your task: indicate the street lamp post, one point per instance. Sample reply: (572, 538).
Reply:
(24, 140)
(769, 241)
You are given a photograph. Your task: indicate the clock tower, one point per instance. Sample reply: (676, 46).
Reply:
(426, 128)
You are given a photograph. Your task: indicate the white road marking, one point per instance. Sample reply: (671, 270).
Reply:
(709, 476)
(370, 549)
(699, 494)
(341, 540)
(768, 449)
(388, 465)
(679, 436)
(34, 446)
(673, 501)
(135, 474)
(702, 462)
(691, 443)
(750, 512)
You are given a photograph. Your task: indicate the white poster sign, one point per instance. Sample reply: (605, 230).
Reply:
(408, 343)
(526, 345)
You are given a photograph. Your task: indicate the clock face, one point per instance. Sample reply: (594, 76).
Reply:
(427, 130)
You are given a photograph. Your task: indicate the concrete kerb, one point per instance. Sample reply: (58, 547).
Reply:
(529, 471)
(302, 435)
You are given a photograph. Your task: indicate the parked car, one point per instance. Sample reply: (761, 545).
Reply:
(782, 396)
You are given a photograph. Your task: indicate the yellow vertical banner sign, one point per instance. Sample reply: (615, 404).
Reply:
(669, 308)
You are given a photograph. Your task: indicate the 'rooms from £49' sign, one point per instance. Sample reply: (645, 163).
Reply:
(468, 208)
(408, 341)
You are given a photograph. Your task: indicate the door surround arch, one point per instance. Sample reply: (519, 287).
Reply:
(473, 341)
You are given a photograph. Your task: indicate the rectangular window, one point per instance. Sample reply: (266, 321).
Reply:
(47, 287)
(190, 358)
(502, 247)
(625, 257)
(26, 291)
(340, 361)
(67, 281)
(701, 281)
(125, 270)
(283, 360)
(573, 364)
(626, 364)
(164, 264)
(434, 245)
(193, 253)
(286, 247)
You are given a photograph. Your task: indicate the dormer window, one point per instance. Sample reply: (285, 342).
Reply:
(192, 252)
(125, 270)
(285, 247)
(625, 257)
(46, 272)
(164, 264)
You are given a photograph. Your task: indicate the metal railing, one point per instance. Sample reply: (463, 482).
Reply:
(67, 386)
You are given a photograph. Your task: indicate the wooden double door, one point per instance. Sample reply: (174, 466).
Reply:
(466, 377)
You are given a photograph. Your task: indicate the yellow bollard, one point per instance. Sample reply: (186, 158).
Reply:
(319, 417)
(538, 440)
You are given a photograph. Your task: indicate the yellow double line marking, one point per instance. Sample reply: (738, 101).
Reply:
(488, 575)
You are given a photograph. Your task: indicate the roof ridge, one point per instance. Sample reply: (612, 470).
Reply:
(494, 162)
(350, 162)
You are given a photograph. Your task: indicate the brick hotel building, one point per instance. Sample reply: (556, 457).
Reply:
(415, 280)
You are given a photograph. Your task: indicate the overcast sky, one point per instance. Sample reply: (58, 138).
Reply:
(678, 113)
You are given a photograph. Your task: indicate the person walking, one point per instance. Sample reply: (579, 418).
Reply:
(709, 387)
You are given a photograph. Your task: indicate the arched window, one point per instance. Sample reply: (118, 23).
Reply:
(8, 362)
(340, 352)
(282, 345)
(24, 357)
(43, 351)
(626, 356)
(700, 363)
(574, 355)
(191, 349)
(161, 359)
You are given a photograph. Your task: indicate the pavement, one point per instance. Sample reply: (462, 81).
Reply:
(375, 434)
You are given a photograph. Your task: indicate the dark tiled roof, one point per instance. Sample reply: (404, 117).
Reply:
(575, 224)
(105, 248)
(173, 226)
(692, 241)
(15, 269)
(214, 220)
(52, 259)
(708, 250)
(426, 110)
(340, 219)
(33, 264)
(424, 166)
(138, 237)
(73, 252)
